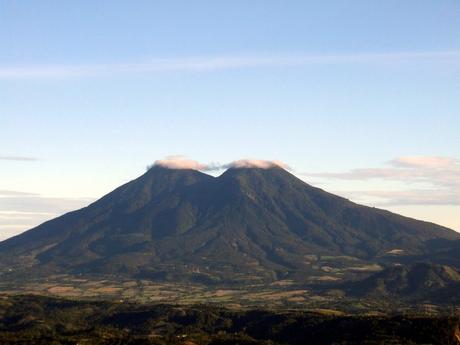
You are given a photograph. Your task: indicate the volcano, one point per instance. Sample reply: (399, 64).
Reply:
(248, 223)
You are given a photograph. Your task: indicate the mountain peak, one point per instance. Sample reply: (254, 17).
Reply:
(256, 220)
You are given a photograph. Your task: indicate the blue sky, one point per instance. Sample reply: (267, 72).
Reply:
(359, 97)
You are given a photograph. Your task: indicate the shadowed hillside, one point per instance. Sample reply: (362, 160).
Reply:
(419, 282)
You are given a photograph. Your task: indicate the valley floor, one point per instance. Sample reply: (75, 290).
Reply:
(280, 295)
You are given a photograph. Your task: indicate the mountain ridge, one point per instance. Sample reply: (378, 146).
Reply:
(245, 223)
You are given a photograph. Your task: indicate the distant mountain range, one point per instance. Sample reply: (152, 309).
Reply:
(248, 224)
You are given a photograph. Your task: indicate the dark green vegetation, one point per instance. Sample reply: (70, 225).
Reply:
(40, 320)
(419, 282)
(247, 225)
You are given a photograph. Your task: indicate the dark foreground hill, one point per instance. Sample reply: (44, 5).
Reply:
(248, 223)
(39, 320)
(421, 282)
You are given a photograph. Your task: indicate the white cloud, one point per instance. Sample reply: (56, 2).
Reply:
(424, 162)
(439, 176)
(406, 197)
(17, 158)
(4, 193)
(179, 162)
(20, 211)
(218, 63)
(34, 204)
(182, 162)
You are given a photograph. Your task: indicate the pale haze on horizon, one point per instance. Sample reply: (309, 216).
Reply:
(358, 98)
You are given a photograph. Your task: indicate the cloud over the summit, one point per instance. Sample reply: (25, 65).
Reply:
(182, 162)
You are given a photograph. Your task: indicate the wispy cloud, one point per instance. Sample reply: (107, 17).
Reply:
(210, 63)
(20, 211)
(41, 204)
(405, 197)
(18, 158)
(439, 175)
(9, 193)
